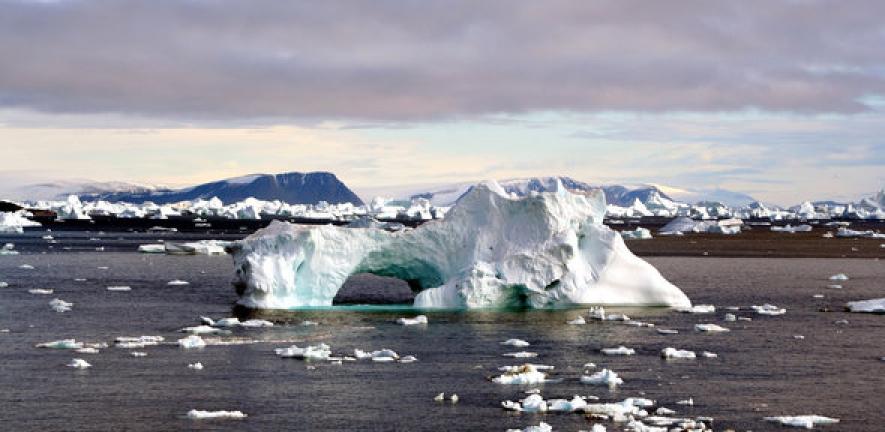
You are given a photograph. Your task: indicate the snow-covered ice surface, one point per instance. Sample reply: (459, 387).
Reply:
(491, 251)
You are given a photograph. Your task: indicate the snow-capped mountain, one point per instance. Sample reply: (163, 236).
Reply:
(60, 189)
(292, 188)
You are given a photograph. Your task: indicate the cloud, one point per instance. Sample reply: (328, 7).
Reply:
(401, 61)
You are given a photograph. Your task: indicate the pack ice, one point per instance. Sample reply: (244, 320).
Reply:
(491, 250)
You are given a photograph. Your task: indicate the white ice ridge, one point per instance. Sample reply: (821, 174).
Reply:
(491, 250)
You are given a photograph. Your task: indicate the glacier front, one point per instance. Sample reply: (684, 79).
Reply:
(492, 250)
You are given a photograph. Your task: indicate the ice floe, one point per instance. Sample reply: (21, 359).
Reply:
(867, 306)
(621, 350)
(639, 233)
(768, 309)
(541, 427)
(517, 343)
(71, 344)
(522, 375)
(26, 267)
(203, 415)
(491, 250)
(79, 363)
(8, 249)
(791, 229)
(60, 305)
(119, 288)
(177, 282)
(710, 328)
(204, 329)
(845, 232)
(603, 377)
(195, 366)
(577, 321)
(312, 352)
(41, 291)
(673, 353)
(191, 342)
(520, 354)
(420, 319)
(803, 421)
(15, 222)
(698, 309)
(129, 342)
(839, 277)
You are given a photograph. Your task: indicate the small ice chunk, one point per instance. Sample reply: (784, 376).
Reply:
(177, 282)
(204, 329)
(708, 354)
(621, 350)
(603, 377)
(768, 309)
(26, 267)
(4, 284)
(578, 321)
(60, 305)
(40, 291)
(201, 415)
(255, 323)
(867, 306)
(534, 365)
(834, 286)
(617, 317)
(440, 397)
(818, 296)
(517, 343)
(698, 309)
(138, 354)
(195, 366)
(841, 322)
(710, 328)
(382, 353)
(383, 359)
(730, 317)
(79, 363)
(798, 337)
(673, 353)
(119, 288)
(454, 398)
(307, 323)
(803, 421)
(541, 427)
(839, 277)
(664, 411)
(522, 375)
(408, 359)
(62, 344)
(227, 322)
(667, 331)
(597, 313)
(687, 402)
(88, 350)
(312, 352)
(418, 320)
(577, 403)
(128, 342)
(192, 341)
(520, 354)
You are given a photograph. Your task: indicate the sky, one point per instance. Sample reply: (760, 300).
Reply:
(783, 100)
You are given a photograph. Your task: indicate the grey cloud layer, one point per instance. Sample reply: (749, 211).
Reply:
(410, 60)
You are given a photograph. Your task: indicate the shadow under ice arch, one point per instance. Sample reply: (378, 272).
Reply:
(491, 250)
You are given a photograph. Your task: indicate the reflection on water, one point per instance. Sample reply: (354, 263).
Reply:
(762, 370)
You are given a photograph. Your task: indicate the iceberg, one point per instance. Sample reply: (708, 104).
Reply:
(492, 250)
(803, 421)
(15, 222)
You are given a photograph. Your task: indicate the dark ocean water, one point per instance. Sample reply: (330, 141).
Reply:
(762, 370)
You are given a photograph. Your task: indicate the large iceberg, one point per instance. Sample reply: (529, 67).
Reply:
(491, 250)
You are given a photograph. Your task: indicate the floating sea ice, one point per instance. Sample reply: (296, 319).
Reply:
(768, 309)
(420, 319)
(79, 363)
(62, 344)
(597, 313)
(307, 323)
(803, 421)
(79, 279)
(541, 427)
(440, 397)
(621, 350)
(603, 377)
(26, 267)
(839, 277)
(177, 282)
(453, 398)
(841, 322)
(539, 367)
(687, 402)
(698, 309)
(730, 317)
(520, 354)
(312, 352)
(204, 329)
(533, 403)
(673, 353)
(577, 403)
(522, 375)
(818, 296)
(597, 428)
(103, 267)
(408, 359)
(382, 354)
(60, 305)
(40, 291)
(138, 354)
(798, 337)
(518, 343)
(255, 323)
(8, 249)
(710, 328)
(668, 331)
(119, 288)
(152, 248)
(88, 350)
(867, 306)
(834, 286)
(383, 359)
(791, 229)
(4, 284)
(192, 341)
(195, 366)
(201, 415)
(664, 411)
(128, 342)
(708, 354)
(226, 322)
(639, 233)
(617, 317)
(578, 321)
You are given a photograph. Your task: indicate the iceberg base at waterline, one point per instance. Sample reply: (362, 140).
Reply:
(492, 250)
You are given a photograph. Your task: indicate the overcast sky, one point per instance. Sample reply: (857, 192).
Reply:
(784, 100)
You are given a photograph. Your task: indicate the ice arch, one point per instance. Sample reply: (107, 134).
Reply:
(491, 250)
